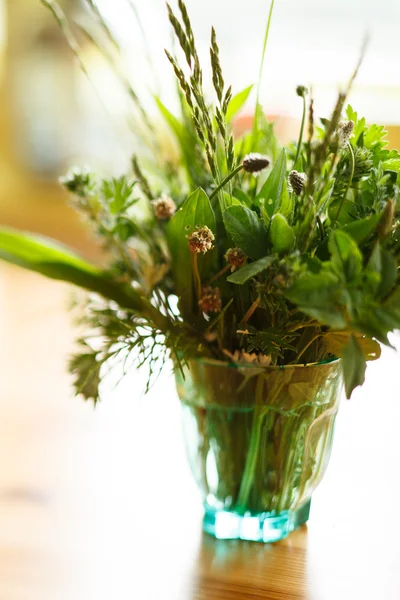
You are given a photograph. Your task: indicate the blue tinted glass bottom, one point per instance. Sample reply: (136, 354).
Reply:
(264, 527)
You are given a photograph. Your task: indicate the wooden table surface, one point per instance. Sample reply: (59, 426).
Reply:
(100, 505)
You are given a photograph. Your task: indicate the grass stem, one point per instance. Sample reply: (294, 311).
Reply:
(227, 179)
(303, 121)
(251, 310)
(260, 76)
(352, 169)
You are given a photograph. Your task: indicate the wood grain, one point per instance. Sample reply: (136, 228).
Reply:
(98, 505)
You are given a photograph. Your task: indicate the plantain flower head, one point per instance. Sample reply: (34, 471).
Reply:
(164, 207)
(201, 240)
(235, 257)
(297, 181)
(255, 163)
(210, 300)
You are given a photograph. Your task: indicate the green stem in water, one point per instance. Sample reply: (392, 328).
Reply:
(353, 166)
(257, 111)
(252, 453)
(226, 180)
(303, 121)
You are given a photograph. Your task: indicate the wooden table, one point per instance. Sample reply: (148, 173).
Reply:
(100, 505)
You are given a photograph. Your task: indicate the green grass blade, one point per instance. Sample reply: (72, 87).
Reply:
(266, 36)
(42, 255)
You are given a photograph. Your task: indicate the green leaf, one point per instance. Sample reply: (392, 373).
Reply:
(383, 264)
(53, 260)
(361, 230)
(359, 124)
(375, 322)
(269, 341)
(118, 194)
(182, 136)
(237, 103)
(226, 200)
(354, 365)
(281, 234)
(287, 202)
(247, 231)
(271, 191)
(374, 136)
(244, 198)
(346, 256)
(347, 212)
(196, 211)
(392, 303)
(336, 341)
(251, 270)
(175, 125)
(392, 164)
(315, 294)
(86, 368)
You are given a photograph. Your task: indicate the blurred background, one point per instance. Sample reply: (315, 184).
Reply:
(52, 116)
(88, 499)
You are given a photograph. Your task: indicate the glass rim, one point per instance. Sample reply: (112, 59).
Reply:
(232, 365)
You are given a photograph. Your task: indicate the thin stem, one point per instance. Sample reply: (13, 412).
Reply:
(306, 347)
(62, 22)
(138, 19)
(255, 123)
(196, 274)
(251, 310)
(70, 38)
(312, 323)
(108, 57)
(221, 272)
(117, 246)
(219, 317)
(303, 120)
(226, 180)
(124, 256)
(321, 228)
(353, 165)
(99, 17)
(252, 454)
(252, 457)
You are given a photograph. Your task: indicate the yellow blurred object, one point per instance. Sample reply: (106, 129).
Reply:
(25, 201)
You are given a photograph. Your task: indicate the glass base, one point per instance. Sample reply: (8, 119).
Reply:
(264, 527)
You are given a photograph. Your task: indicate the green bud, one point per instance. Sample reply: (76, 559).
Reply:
(301, 91)
(386, 222)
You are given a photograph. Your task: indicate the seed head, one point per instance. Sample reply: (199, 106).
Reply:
(79, 182)
(255, 163)
(201, 240)
(343, 133)
(235, 257)
(301, 91)
(164, 207)
(297, 181)
(210, 300)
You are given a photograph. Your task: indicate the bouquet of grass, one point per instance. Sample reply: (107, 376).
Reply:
(240, 252)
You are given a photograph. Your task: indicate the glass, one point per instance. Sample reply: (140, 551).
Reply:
(258, 442)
